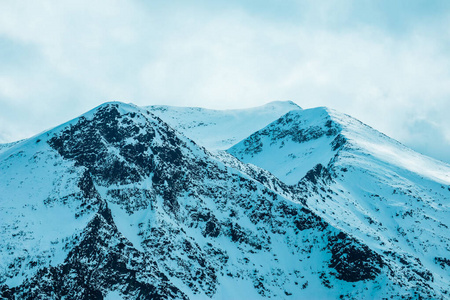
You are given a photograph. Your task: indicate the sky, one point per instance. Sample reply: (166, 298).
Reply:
(386, 63)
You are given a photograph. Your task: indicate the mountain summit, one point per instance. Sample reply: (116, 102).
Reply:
(128, 202)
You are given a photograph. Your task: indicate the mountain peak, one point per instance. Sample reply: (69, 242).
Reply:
(301, 138)
(283, 103)
(357, 178)
(313, 136)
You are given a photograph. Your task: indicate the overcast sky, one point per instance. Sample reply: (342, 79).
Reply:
(386, 63)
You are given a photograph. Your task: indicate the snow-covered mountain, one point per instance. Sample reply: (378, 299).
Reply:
(119, 204)
(221, 129)
(393, 199)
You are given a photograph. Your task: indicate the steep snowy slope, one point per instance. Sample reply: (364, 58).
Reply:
(292, 145)
(395, 200)
(118, 204)
(220, 129)
(6, 146)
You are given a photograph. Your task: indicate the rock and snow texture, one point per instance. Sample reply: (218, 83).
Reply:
(220, 129)
(118, 204)
(292, 145)
(393, 199)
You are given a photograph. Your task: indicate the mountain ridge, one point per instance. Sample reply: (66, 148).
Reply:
(222, 128)
(162, 216)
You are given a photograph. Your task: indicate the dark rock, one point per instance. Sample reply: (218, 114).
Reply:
(317, 173)
(352, 260)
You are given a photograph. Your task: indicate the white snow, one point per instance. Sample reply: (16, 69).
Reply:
(220, 129)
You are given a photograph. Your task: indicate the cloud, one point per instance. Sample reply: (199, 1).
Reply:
(63, 58)
(423, 133)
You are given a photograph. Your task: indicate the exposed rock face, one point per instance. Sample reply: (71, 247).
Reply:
(352, 260)
(118, 149)
(136, 210)
(102, 261)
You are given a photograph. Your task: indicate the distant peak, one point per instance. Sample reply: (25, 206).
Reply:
(284, 103)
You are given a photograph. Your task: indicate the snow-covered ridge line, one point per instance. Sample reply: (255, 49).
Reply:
(389, 150)
(6, 146)
(273, 105)
(315, 135)
(220, 129)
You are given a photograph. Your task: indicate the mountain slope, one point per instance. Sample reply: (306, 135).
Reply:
(220, 129)
(372, 187)
(116, 203)
(6, 146)
(292, 145)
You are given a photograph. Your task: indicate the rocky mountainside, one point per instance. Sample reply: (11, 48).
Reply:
(117, 204)
(393, 199)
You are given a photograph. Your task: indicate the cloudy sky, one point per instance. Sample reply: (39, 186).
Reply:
(384, 62)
